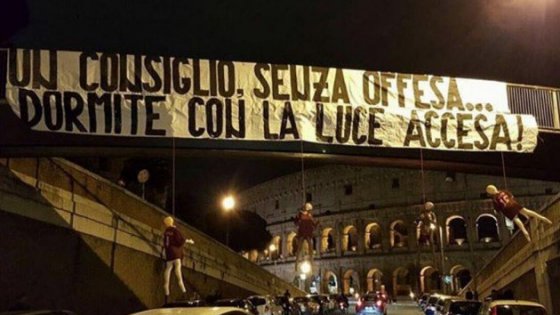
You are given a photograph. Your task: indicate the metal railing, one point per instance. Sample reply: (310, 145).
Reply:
(537, 101)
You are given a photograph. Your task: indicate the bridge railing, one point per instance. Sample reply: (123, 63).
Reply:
(537, 101)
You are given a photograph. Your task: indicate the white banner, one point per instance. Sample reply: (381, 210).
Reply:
(145, 96)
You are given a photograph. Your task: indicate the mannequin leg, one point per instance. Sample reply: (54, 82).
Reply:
(179, 274)
(166, 276)
(521, 226)
(532, 214)
(310, 249)
(299, 252)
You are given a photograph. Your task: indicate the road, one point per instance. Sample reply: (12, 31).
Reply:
(404, 308)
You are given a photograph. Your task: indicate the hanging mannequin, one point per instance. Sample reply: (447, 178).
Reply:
(306, 227)
(426, 220)
(173, 242)
(505, 203)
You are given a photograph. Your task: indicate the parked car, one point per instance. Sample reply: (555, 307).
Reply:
(240, 303)
(422, 300)
(289, 307)
(306, 305)
(323, 301)
(512, 307)
(372, 303)
(39, 312)
(460, 307)
(265, 305)
(195, 311)
(441, 303)
(192, 303)
(432, 304)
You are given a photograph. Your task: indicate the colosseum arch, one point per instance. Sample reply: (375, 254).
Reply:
(430, 279)
(291, 244)
(399, 234)
(350, 239)
(351, 280)
(487, 228)
(330, 283)
(327, 240)
(402, 281)
(461, 277)
(374, 280)
(277, 242)
(373, 236)
(456, 228)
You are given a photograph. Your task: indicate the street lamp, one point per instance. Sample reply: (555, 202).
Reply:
(271, 249)
(228, 203)
(305, 267)
(433, 228)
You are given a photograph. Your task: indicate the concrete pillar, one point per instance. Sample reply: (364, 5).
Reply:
(338, 237)
(412, 237)
(541, 272)
(361, 229)
(386, 235)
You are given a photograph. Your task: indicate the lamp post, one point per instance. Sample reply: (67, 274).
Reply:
(305, 269)
(228, 203)
(433, 227)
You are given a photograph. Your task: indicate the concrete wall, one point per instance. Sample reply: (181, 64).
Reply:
(73, 240)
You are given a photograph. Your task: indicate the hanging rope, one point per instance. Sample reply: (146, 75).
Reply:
(504, 170)
(302, 174)
(173, 167)
(422, 173)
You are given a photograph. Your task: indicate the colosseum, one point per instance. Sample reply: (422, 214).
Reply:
(368, 233)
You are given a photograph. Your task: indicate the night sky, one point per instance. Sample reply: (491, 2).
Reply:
(512, 40)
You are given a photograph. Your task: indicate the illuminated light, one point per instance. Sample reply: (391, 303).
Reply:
(272, 247)
(357, 296)
(302, 276)
(228, 203)
(359, 303)
(411, 295)
(432, 226)
(305, 267)
(351, 290)
(379, 303)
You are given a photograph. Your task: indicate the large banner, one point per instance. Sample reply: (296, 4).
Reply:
(112, 94)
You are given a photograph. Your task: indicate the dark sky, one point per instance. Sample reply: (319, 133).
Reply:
(510, 40)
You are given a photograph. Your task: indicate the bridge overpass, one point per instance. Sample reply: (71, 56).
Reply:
(541, 102)
(87, 234)
(530, 270)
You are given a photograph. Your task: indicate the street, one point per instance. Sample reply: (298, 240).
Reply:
(404, 308)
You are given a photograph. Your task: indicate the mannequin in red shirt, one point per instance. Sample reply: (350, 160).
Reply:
(505, 203)
(426, 220)
(173, 242)
(306, 227)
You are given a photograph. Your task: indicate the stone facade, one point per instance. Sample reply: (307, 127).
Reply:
(368, 235)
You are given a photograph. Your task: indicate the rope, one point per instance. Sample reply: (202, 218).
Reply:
(302, 174)
(173, 178)
(504, 170)
(422, 172)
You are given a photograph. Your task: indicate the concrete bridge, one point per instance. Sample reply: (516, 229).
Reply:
(74, 240)
(530, 270)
